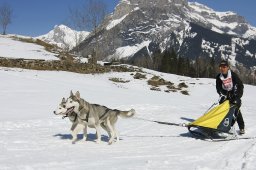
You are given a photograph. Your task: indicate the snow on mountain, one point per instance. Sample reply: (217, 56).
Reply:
(222, 22)
(64, 37)
(32, 137)
(12, 47)
(127, 51)
(179, 24)
(115, 22)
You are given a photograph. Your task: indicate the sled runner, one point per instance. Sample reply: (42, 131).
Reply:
(215, 124)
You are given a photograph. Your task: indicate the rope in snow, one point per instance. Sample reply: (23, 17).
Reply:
(164, 123)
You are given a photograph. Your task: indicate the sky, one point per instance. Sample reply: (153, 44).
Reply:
(38, 17)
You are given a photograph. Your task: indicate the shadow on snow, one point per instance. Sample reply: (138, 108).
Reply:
(90, 137)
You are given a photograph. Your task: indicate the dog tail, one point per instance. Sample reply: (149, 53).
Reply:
(127, 114)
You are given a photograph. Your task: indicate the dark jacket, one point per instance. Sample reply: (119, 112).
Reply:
(236, 92)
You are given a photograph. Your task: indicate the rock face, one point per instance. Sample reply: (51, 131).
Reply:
(138, 28)
(64, 37)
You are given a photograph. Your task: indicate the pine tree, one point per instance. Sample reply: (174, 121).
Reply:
(187, 66)
(212, 70)
(173, 62)
(181, 66)
(165, 62)
(157, 59)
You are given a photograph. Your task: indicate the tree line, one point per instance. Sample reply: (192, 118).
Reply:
(201, 67)
(170, 62)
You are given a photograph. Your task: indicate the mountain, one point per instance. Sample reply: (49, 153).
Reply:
(138, 28)
(64, 37)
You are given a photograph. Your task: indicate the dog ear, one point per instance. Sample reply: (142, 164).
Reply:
(71, 93)
(63, 100)
(77, 95)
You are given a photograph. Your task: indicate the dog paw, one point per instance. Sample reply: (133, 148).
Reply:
(98, 141)
(110, 142)
(74, 140)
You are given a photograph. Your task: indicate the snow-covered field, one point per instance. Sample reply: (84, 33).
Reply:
(10, 48)
(33, 138)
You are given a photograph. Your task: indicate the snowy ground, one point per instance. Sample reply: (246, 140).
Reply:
(33, 138)
(10, 48)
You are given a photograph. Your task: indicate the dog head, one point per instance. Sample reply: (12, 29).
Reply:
(73, 102)
(62, 109)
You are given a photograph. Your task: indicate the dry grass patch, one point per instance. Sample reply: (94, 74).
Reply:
(139, 76)
(185, 92)
(183, 85)
(48, 47)
(118, 80)
(155, 88)
(158, 81)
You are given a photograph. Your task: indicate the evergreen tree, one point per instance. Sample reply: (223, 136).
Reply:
(181, 66)
(157, 59)
(187, 66)
(173, 62)
(212, 70)
(197, 67)
(165, 62)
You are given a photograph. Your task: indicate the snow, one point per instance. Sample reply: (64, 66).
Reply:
(199, 7)
(125, 1)
(128, 51)
(215, 21)
(115, 22)
(248, 53)
(64, 37)
(202, 8)
(10, 48)
(220, 24)
(251, 33)
(202, 13)
(32, 137)
(136, 8)
(215, 29)
(207, 47)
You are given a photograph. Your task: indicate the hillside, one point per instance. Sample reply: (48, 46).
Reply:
(32, 137)
(15, 46)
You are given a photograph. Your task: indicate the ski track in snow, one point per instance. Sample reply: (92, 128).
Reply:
(32, 137)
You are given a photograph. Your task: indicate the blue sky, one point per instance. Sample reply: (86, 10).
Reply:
(37, 17)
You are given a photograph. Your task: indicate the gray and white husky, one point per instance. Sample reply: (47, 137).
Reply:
(85, 114)
(76, 121)
(78, 124)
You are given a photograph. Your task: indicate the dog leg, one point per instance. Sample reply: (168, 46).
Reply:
(76, 128)
(112, 133)
(85, 133)
(74, 137)
(116, 133)
(74, 133)
(106, 129)
(97, 127)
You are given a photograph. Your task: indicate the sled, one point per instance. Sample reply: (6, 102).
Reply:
(215, 123)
